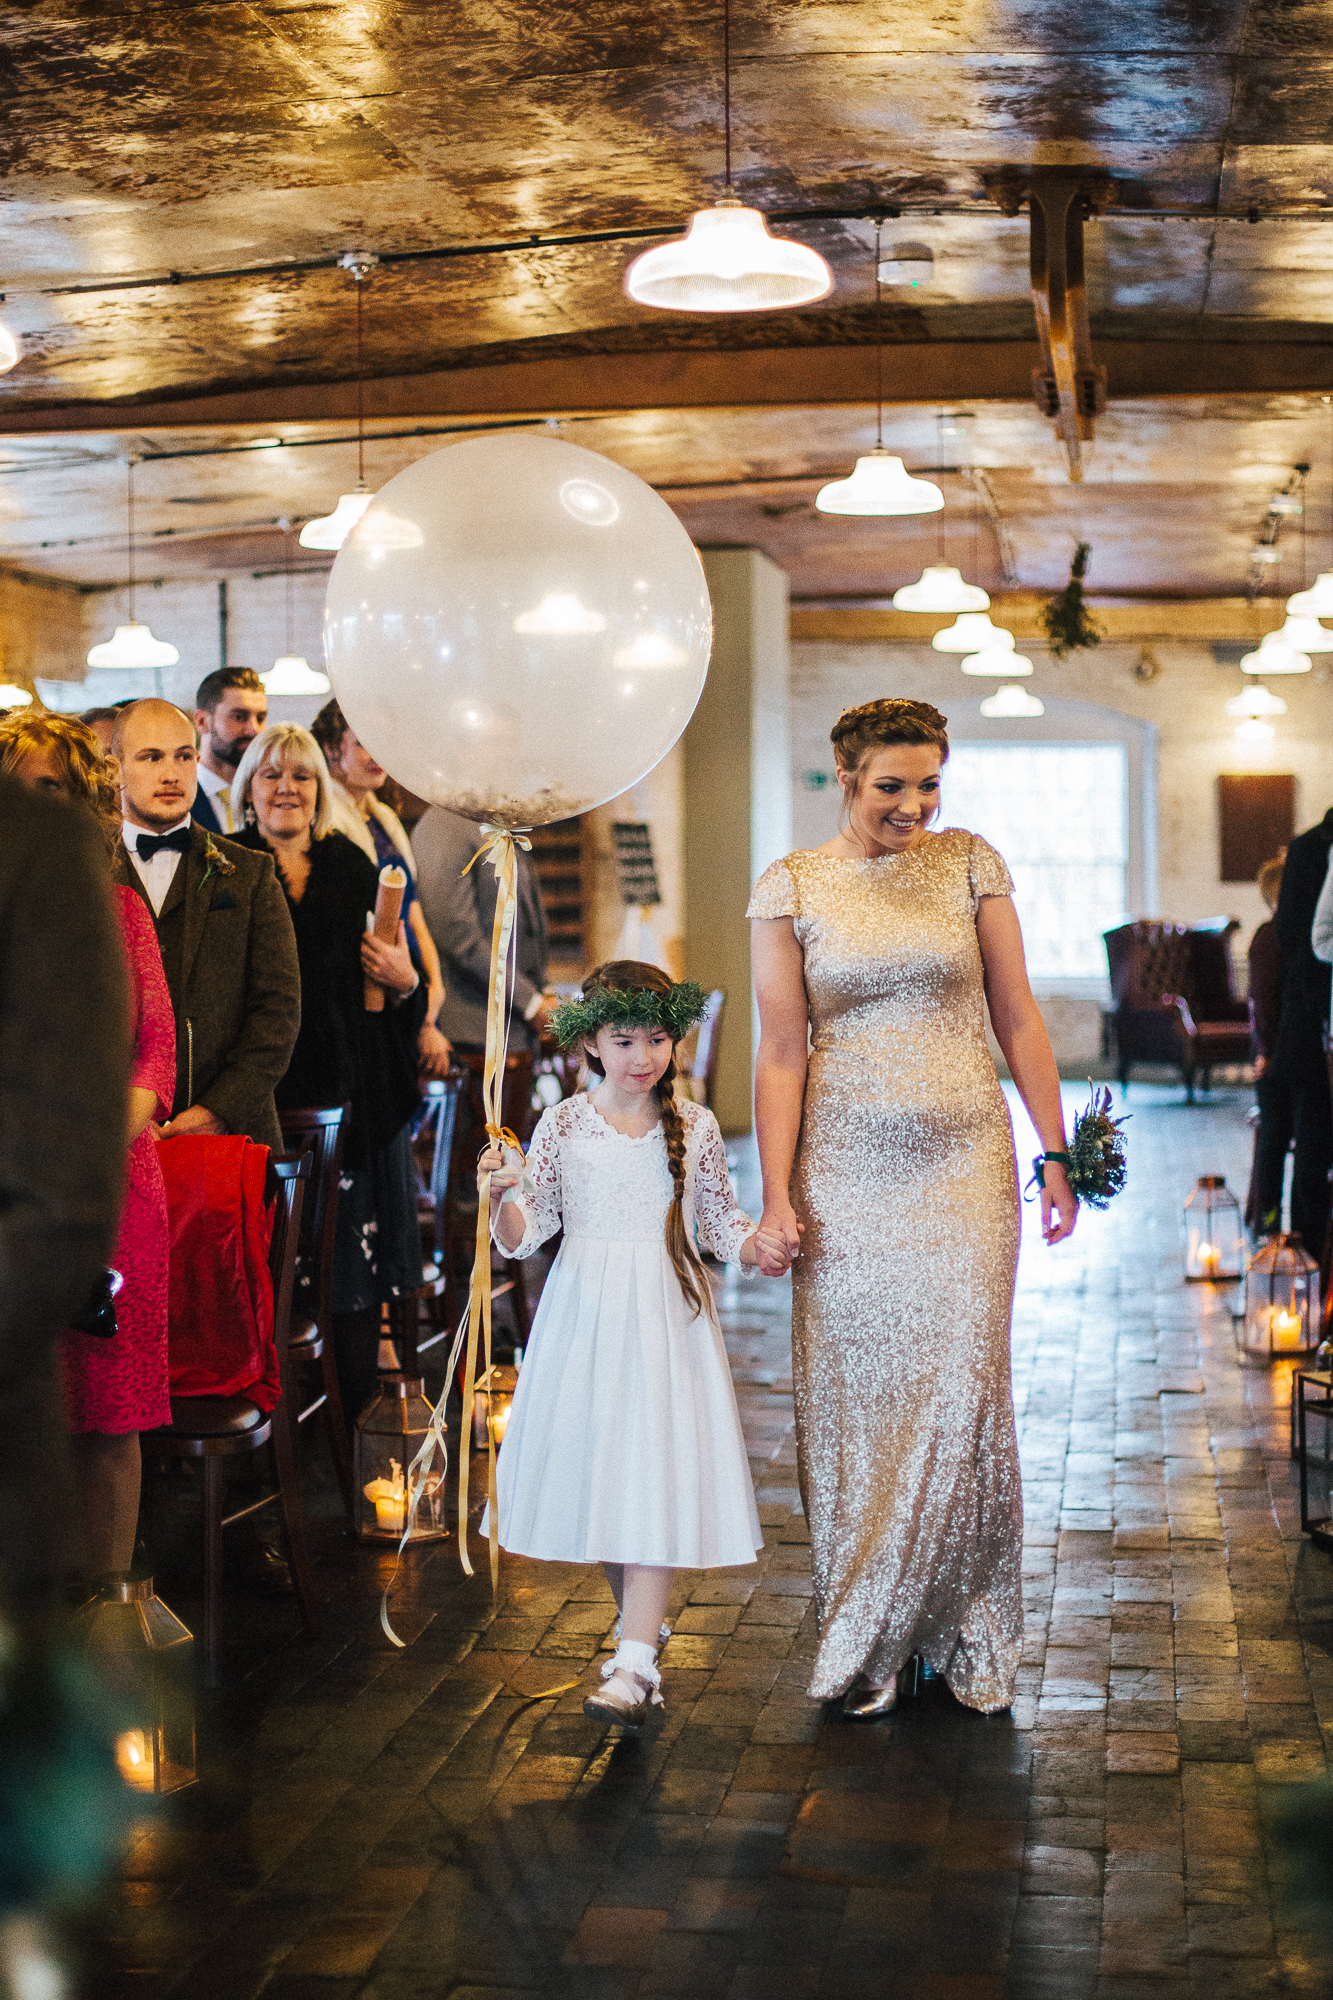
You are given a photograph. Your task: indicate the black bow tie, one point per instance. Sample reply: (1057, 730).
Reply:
(149, 844)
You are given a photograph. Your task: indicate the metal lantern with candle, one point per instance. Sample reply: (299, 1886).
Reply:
(389, 1433)
(146, 1656)
(1281, 1301)
(491, 1404)
(1213, 1234)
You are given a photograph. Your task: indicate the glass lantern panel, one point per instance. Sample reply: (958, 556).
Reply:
(1281, 1301)
(389, 1434)
(1214, 1233)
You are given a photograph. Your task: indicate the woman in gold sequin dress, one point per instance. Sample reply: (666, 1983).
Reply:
(888, 1159)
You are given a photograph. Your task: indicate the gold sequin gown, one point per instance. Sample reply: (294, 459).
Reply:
(905, 1180)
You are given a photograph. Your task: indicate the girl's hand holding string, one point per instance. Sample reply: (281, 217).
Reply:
(503, 1178)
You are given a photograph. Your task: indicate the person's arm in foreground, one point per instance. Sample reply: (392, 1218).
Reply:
(1021, 1033)
(779, 1077)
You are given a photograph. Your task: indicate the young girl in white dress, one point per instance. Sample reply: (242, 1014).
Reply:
(624, 1443)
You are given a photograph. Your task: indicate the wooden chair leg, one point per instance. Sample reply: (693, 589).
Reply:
(336, 1424)
(215, 1487)
(289, 1495)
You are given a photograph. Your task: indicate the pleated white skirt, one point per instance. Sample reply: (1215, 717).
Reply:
(624, 1442)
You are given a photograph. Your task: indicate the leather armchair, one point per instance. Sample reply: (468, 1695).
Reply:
(1174, 999)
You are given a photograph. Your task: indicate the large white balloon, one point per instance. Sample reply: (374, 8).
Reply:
(517, 628)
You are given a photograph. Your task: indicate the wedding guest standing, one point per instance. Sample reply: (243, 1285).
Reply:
(223, 930)
(1297, 1060)
(460, 910)
(344, 1054)
(360, 813)
(117, 1387)
(888, 1161)
(1272, 1096)
(230, 709)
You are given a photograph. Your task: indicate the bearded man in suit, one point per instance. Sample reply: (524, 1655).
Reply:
(228, 948)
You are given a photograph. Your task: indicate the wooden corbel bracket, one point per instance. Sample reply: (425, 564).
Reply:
(1069, 387)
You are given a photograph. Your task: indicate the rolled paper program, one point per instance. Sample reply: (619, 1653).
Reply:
(388, 910)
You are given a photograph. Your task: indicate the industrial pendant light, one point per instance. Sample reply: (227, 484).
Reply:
(972, 633)
(1307, 635)
(291, 673)
(939, 589)
(728, 262)
(943, 590)
(998, 660)
(1256, 700)
(1008, 703)
(1275, 656)
(9, 350)
(132, 645)
(1317, 601)
(14, 696)
(880, 483)
(330, 531)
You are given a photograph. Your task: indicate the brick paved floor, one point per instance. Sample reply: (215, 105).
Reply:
(381, 1825)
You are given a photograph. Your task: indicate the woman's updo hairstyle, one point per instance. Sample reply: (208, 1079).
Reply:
(874, 724)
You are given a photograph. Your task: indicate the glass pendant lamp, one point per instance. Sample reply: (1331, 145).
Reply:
(999, 661)
(132, 645)
(1256, 701)
(880, 483)
(972, 633)
(1010, 703)
(291, 673)
(1317, 601)
(728, 262)
(1307, 635)
(1275, 656)
(942, 590)
(330, 531)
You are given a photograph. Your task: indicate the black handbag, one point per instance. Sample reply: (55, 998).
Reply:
(98, 1316)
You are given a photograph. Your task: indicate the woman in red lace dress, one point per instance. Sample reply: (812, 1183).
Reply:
(115, 1388)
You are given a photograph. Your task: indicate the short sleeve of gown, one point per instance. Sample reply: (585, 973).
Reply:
(987, 874)
(774, 894)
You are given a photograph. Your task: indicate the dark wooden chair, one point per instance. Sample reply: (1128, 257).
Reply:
(519, 1111)
(1174, 1000)
(438, 1300)
(214, 1429)
(320, 1132)
(698, 1064)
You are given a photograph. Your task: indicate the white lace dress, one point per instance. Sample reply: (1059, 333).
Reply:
(624, 1442)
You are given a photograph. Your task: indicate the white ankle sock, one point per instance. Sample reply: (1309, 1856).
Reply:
(638, 1659)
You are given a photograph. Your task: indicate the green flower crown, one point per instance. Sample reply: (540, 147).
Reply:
(629, 1007)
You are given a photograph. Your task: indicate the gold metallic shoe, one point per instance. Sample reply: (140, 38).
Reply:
(624, 1698)
(866, 1704)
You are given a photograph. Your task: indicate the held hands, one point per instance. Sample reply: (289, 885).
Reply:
(777, 1241)
(389, 964)
(1059, 1207)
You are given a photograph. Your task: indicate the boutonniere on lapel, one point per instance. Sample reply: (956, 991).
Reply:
(215, 863)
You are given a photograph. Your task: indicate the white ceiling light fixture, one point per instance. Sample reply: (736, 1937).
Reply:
(943, 590)
(880, 482)
(1275, 656)
(1317, 601)
(291, 673)
(1256, 700)
(728, 262)
(972, 633)
(13, 696)
(132, 645)
(1307, 635)
(910, 264)
(1008, 703)
(998, 660)
(330, 531)
(9, 350)
(1255, 731)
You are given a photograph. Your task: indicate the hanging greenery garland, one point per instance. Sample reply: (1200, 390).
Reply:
(1066, 619)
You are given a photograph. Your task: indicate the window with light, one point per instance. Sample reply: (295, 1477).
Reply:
(1058, 813)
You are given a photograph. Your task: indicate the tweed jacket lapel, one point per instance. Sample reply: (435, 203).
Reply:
(198, 893)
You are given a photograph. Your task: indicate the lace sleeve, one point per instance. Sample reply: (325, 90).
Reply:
(723, 1223)
(538, 1199)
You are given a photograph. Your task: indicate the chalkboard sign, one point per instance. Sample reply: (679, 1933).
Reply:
(632, 842)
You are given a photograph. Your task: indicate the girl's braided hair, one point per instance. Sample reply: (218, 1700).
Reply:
(629, 975)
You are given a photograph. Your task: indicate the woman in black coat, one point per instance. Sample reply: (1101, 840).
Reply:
(343, 1053)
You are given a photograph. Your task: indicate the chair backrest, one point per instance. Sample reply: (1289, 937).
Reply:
(288, 1177)
(1148, 959)
(518, 1109)
(703, 1069)
(319, 1131)
(437, 1128)
(1213, 997)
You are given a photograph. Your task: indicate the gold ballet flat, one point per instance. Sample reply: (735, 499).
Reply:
(867, 1704)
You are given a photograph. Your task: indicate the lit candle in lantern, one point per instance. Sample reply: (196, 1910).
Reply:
(1284, 1327)
(391, 1514)
(500, 1409)
(1208, 1257)
(134, 1759)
